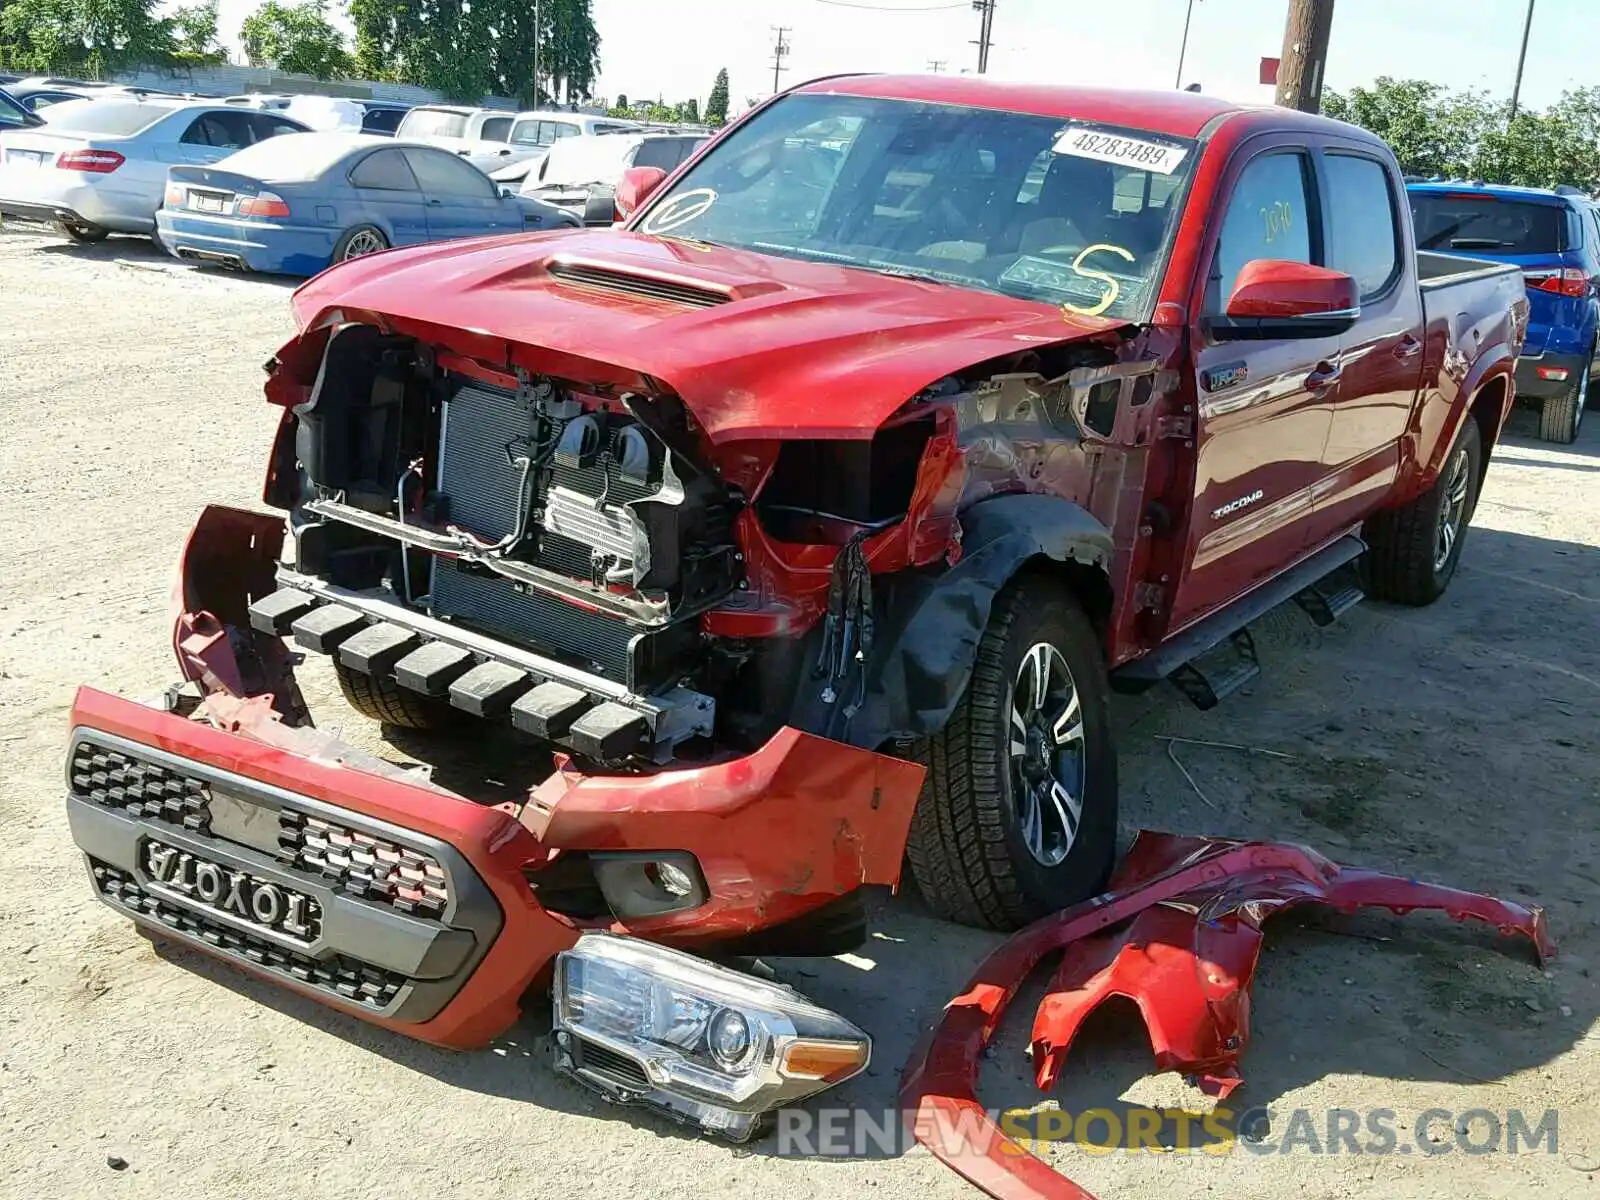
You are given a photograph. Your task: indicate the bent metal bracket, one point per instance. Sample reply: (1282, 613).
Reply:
(1178, 933)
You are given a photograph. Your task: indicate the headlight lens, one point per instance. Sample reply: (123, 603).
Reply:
(708, 1044)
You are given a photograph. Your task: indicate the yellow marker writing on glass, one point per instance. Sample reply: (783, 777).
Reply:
(1113, 288)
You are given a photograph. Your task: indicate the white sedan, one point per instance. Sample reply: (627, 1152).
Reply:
(100, 166)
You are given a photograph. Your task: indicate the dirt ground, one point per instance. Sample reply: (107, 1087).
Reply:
(1452, 744)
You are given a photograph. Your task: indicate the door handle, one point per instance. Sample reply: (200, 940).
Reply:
(1323, 377)
(435, 203)
(1408, 347)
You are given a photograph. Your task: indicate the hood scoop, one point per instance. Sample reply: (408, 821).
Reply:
(592, 278)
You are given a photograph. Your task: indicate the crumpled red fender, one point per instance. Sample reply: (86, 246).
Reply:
(1190, 911)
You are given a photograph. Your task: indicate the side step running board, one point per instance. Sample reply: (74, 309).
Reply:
(1204, 668)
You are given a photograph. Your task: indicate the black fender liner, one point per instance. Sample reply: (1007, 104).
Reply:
(928, 637)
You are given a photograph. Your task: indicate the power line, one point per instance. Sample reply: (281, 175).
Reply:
(780, 51)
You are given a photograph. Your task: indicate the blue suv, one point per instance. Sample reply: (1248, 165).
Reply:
(1554, 236)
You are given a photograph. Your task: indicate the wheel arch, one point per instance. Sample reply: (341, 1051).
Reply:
(1488, 408)
(926, 651)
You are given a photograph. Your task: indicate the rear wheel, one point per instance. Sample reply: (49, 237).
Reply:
(382, 699)
(1018, 814)
(1412, 551)
(1562, 415)
(83, 232)
(362, 240)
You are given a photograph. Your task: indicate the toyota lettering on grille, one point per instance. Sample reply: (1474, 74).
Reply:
(186, 878)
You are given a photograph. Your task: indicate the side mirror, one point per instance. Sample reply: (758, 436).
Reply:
(507, 192)
(1276, 299)
(636, 187)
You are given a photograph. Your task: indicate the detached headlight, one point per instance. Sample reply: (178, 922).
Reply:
(712, 1047)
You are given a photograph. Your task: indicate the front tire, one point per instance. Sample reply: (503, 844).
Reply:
(1018, 814)
(1561, 416)
(382, 699)
(1412, 551)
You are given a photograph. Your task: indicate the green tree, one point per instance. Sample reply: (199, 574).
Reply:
(195, 34)
(87, 35)
(687, 113)
(1431, 130)
(621, 108)
(467, 49)
(297, 37)
(717, 105)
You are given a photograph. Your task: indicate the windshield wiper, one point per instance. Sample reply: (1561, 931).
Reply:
(902, 273)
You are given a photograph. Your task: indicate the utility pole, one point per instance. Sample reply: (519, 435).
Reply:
(780, 51)
(936, 65)
(985, 32)
(1183, 48)
(1305, 54)
(1516, 88)
(536, 103)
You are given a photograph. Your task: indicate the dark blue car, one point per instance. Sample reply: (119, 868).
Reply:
(1554, 236)
(294, 204)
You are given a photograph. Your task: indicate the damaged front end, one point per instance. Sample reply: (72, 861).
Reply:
(720, 612)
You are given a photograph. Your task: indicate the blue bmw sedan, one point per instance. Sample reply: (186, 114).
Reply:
(294, 204)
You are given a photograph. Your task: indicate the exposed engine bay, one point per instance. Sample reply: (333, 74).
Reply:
(570, 558)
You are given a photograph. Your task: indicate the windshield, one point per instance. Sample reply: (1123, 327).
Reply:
(433, 122)
(113, 118)
(1040, 208)
(1480, 221)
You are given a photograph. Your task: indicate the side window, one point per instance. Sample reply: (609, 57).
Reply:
(563, 130)
(270, 127)
(441, 174)
(1363, 229)
(381, 120)
(1268, 217)
(496, 129)
(385, 171)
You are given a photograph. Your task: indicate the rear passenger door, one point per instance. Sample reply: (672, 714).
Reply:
(1380, 357)
(212, 136)
(461, 201)
(388, 191)
(1264, 406)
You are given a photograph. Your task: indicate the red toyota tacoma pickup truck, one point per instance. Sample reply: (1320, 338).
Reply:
(803, 524)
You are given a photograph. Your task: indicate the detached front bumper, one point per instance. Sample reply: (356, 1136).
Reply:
(292, 857)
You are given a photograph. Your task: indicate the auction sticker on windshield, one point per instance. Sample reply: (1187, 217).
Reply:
(1160, 157)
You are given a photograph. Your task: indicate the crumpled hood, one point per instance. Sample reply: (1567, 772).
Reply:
(757, 346)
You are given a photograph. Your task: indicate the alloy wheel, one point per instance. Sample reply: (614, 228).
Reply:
(1453, 512)
(363, 241)
(1048, 754)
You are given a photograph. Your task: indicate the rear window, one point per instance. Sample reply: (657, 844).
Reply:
(1463, 221)
(114, 118)
(291, 158)
(432, 122)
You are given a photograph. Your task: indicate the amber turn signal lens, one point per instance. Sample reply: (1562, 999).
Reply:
(823, 1060)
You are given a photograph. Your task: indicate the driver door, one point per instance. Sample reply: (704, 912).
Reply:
(1265, 407)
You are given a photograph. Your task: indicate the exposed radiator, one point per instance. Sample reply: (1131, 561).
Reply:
(482, 486)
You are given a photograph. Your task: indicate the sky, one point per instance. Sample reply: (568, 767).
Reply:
(674, 48)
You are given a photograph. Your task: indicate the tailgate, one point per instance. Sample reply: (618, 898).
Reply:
(378, 894)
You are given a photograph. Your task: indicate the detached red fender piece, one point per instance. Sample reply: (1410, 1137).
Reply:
(1194, 909)
(786, 829)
